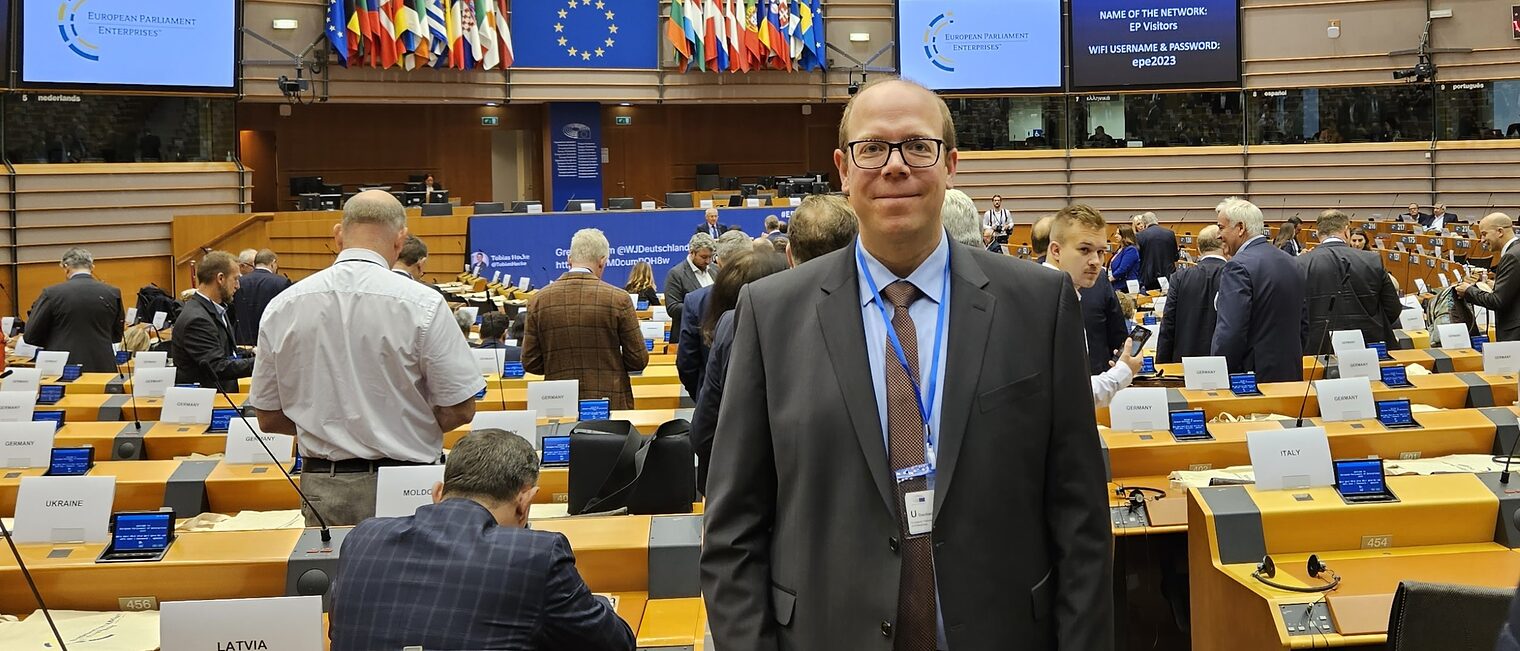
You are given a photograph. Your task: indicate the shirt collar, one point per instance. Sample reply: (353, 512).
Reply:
(694, 268)
(929, 277)
(80, 273)
(402, 272)
(1212, 255)
(219, 309)
(1252, 241)
(365, 255)
(578, 270)
(1332, 238)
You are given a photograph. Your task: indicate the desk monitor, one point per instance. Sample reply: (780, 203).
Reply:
(821, 188)
(50, 394)
(300, 185)
(1382, 350)
(1244, 384)
(437, 209)
(70, 462)
(522, 206)
(736, 201)
(412, 198)
(71, 372)
(221, 419)
(1395, 377)
(438, 196)
(489, 207)
(679, 200)
(54, 416)
(309, 201)
(1189, 425)
(1362, 480)
(621, 203)
(1396, 414)
(556, 451)
(138, 536)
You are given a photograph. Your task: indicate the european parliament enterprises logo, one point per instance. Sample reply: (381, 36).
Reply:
(932, 36)
(68, 28)
(940, 40)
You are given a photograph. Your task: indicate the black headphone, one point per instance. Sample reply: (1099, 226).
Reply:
(1266, 570)
(1136, 495)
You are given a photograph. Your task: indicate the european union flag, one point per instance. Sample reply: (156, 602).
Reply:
(586, 33)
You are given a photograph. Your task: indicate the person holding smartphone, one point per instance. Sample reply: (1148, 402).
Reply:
(1077, 237)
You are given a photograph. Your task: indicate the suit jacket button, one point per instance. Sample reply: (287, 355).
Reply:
(886, 629)
(892, 543)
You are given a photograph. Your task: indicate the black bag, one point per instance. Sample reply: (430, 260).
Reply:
(608, 464)
(152, 300)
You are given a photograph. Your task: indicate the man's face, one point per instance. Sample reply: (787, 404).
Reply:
(895, 200)
(701, 258)
(1233, 234)
(1137, 223)
(1440, 209)
(1493, 235)
(986, 236)
(997, 203)
(1358, 240)
(712, 217)
(1414, 208)
(1080, 256)
(228, 285)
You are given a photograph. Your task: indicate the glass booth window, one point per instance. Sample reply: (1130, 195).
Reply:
(68, 128)
(1389, 113)
(1479, 110)
(1101, 120)
(998, 123)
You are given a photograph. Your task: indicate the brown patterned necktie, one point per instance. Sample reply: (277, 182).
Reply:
(916, 627)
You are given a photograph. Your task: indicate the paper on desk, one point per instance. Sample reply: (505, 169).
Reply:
(1200, 478)
(1451, 463)
(245, 521)
(1227, 417)
(549, 511)
(91, 631)
(1415, 369)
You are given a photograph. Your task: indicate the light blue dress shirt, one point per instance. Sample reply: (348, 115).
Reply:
(929, 278)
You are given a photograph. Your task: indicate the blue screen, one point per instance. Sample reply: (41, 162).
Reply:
(1394, 412)
(1381, 348)
(1359, 476)
(649, 344)
(641, 305)
(49, 394)
(482, 394)
(980, 44)
(1395, 376)
(69, 461)
(139, 531)
(71, 373)
(181, 43)
(1478, 341)
(557, 449)
(1147, 365)
(1243, 383)
(54, 416)
(512, 370)
(221, 419)
(1128, 43)
(122, 356)
(600, 409)
(1189, 424)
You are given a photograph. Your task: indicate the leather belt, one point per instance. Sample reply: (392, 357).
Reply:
(309, 466)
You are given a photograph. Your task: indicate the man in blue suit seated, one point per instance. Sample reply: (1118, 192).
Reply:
(1260, 305)
(463, 573)
(493, 334)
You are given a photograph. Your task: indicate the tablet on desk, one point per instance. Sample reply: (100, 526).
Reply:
(221, 419)
(1189, 425)
(138, 536)
(1148, 365)
(71, 373)
(50, 394)
(70, 462)
(556, 451)
(1395, 377)
(1396, 414)
(1362, 480)
(1244, 384)
(1382, 350)
(54, 416)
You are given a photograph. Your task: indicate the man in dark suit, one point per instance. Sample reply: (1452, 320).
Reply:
(710, 226)
(580, 328)
(691, 351)
(1347, 289)
(493, 335)
(1187, 323)
(1158, 251)
(689, 274)
(255, 290)
(464, 572)
(82, 316)
(1413, 214)
(1009, 525)
(1498, 233)
(1261, 300)
(1439, 219)
(202, 346)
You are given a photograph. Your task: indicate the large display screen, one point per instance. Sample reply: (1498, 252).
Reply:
(1154, 43)
(980, 44)
(177, 44)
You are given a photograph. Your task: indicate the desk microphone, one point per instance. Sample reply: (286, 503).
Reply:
(29, 582)
(501, 386)
(136, 422)
(216, 384)
(1329, 311)
(1504, 476)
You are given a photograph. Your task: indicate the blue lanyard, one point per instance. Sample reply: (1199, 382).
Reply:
(925, 408)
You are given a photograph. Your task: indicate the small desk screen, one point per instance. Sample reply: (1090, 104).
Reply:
(1381, 348)
(49, 394)
(69, 461)
(221, 419)
(1243, 384)
(512, 370)
(71, 373)
(600, 409)
(140, 531)
(54, 416)
(1147, 365)
(1359, 477)
(1394, 412)
(556, 450)
(1189, 424)
(122, 356)
(1395, 376)
(1478, 341)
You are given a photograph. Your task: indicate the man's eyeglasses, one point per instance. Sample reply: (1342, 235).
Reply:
(915, 152)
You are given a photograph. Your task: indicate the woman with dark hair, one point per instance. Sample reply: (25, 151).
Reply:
(717, 335)
(1125, 265)
(1359, 240)
(1287, 237)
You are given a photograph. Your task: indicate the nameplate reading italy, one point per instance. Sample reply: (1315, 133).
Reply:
(22, 379)
(523, 423)
(152, 382)
(1345, 399)
(16, 406)
(51, 362)
(184, 406)
(555, 398)
(63, 509)
(270, 624)
(1357, 362)
(149, 359)
(1344, 339)
(1501, 357)
(1138, 409)
(1290, 458)
(399, 490)
(243, 448)
(26, 445)
(1204, 373)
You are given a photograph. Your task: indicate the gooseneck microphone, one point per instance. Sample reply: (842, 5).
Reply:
(136, 421)
(216, 384)
(1504, 476)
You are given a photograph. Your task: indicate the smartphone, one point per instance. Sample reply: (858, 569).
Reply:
(1140, 334)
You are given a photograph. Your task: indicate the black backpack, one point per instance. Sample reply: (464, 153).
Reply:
(152, 300)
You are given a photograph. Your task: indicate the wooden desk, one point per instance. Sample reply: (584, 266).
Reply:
(139, 484)
(88, 407)
(1444, 390)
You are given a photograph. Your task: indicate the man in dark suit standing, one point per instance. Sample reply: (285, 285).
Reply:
(1158, 251)
(202, 346)
(934, 517)
(691, 351)
(580, 328)
(1187, 323)
(1347, 289)
(255, 290)
(464, 572)
(1261, 300)
(710, 226)
(82, 316)
(689, 274)
(1498, 234)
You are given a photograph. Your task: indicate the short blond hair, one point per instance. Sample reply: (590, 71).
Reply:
(947, 123)
(1067, 220)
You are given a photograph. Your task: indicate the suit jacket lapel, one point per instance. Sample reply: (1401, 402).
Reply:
(971, 323)
(217, 319)
(844, 341)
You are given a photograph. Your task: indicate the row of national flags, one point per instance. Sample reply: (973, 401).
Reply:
(746, 35)
(460, 34)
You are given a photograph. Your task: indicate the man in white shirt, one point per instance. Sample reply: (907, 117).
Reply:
(689, 274)
(998, 219)
(1077, 240)
(366, 368)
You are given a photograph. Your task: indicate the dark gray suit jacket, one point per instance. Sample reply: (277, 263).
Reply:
(1158, 255)
(1187, 325)
(1261, 314)
(679, 282)
(801, 548)
(82, 316)
(1363, 295)
(1504, 301)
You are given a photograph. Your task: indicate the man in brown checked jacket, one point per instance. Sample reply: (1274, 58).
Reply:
(580, 328)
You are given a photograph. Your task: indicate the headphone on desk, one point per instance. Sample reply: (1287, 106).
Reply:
(1266, 570)
(1136, 495)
